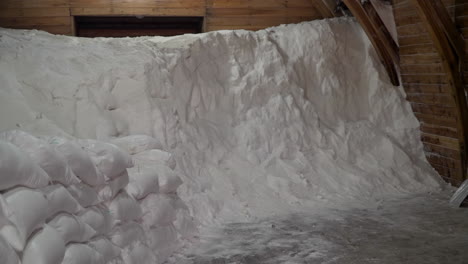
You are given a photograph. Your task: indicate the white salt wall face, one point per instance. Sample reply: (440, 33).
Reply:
(257, 122)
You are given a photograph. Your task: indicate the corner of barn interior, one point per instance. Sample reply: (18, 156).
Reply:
(233, 131)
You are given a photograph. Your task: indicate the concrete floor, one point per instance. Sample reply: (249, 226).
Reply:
(412, 230)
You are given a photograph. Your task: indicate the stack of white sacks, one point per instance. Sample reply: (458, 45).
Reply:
(84, 201)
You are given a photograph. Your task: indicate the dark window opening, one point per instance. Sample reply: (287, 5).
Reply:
(136, 26)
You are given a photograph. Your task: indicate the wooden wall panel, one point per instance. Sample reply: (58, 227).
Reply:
(35, 12)
(49, 15)
(55, 16)
(253, 15)
(460, 13)
(33, 3)
(427, 87)
(125, 11)
(138, 3)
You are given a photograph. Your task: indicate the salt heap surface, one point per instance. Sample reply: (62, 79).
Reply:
(253, 123)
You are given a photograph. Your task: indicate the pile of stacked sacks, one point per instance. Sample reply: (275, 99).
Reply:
(84, 201)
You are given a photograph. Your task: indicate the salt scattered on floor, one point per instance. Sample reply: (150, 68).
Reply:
(416, 229)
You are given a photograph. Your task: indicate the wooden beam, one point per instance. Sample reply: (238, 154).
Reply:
(444, 20)
(443, 34)
(382, 31)
(325, 7)
(378, 34)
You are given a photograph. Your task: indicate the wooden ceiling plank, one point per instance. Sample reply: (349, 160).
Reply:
(434, 19)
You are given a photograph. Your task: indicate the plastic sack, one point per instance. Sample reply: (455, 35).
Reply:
(59, 199)
(71, 228)
(109, 159)
(44, 155)
(184, 224)
(26, 210)
(112, 187)
(137, 143)
(45, 247)
(124, 208)
(78, 160)
(139, 253)
(163, 240)
(169, 182)
(127, 234)
(82, 254)
(7, 253)
(17, 168)
(117, 260)
(158, 210)
(108, 250)
(143, 181)
(84, 194)
(99, 218)
(155, 156)
(3, 211)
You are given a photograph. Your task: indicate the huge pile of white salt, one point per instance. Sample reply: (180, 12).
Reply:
(253, 123)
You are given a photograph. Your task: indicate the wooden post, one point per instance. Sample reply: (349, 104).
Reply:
(447, 42)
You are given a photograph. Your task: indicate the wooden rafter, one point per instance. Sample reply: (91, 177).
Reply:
(378, 34)
(325, 7)
(444, 20)
(447, 42)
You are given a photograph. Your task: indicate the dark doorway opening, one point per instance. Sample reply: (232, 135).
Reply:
(136, 26)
